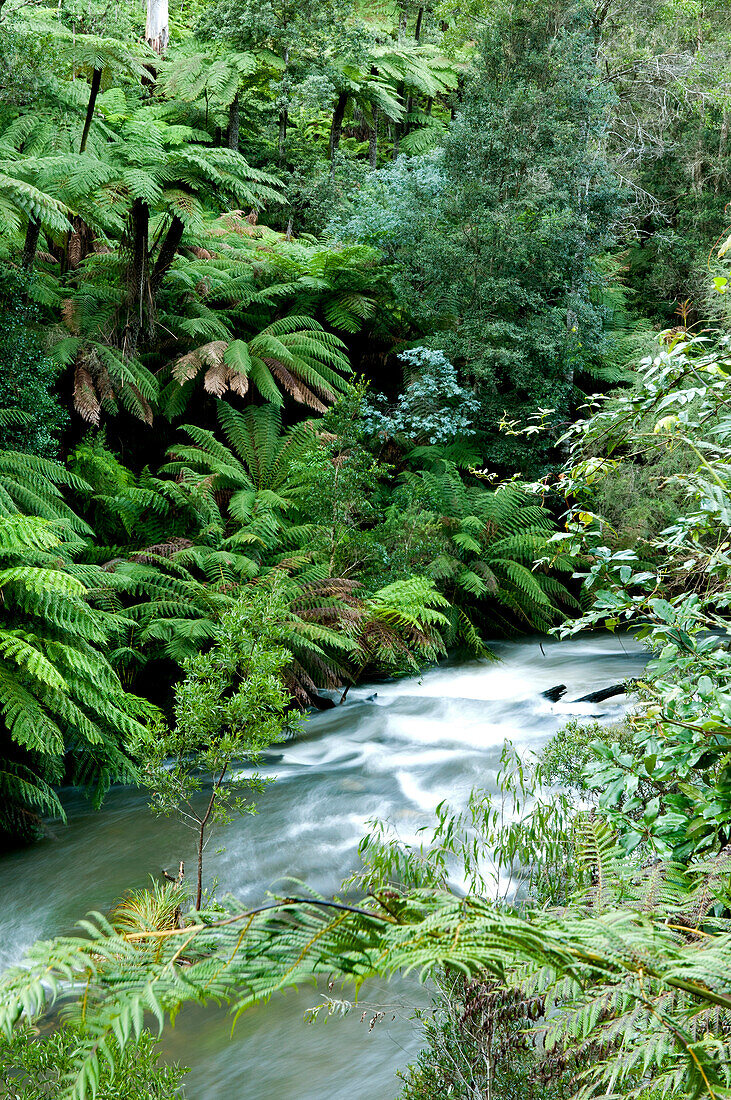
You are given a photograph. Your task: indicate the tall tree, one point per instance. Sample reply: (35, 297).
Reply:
(500, 270)
(157, 31)
(289, 34)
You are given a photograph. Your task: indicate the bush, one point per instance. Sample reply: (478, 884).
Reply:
(33, 1065)
(566, 755)
(28, 375)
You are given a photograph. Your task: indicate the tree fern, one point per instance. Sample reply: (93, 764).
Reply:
(294, 354)
(495, 563)
(63, 709)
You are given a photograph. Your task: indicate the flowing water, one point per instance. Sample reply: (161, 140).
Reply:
(391, 751)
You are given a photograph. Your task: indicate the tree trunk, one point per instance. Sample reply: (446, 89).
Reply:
(199, 868)
(417, 30)
(721, 175)
(140, 222)
(202, 822)
(166, 255)
(373, 141)
(234, 114)
(96, 77)
(336, 128)
(157, 33)
(31, 243)
(397, 126)
(282, 142)
(283, 113)
(138, 288)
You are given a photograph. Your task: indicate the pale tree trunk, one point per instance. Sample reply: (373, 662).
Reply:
(157, 34)
(720, 176)
(723, 136)
(282, 140)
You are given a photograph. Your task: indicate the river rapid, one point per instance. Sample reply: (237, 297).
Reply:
(391, 751)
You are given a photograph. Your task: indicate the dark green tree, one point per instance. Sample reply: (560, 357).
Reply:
(493, 242)
(28, 377)
(529, 202)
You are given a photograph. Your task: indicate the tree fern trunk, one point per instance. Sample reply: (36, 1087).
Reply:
(234, 115)
(166, 255)
(336, 128)
(138, 289)
(373, 141)
(30, 246)
(282, 142)
(417, 29)
(96, 77)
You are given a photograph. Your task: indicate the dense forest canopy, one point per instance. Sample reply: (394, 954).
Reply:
(338, 337)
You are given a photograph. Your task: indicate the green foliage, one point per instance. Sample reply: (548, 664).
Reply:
(667, 789)
(231, 705)
(156, 909)
(33, 1066)
(496, 264)
(433, 409)
(293, 353)
(478, 1035)
(28, 376)
(64, 712)
(494, 561)
(612, 997)
(471, 203)
(565, 757)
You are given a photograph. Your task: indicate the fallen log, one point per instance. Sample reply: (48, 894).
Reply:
(555, 693)
(606, 693)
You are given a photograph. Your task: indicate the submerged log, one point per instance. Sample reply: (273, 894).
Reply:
(555, 693)
(606, 693)
(321, 702)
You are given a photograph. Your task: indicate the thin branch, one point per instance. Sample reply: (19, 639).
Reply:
(132, 937)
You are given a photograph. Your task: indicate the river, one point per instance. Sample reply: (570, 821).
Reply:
(393, 751)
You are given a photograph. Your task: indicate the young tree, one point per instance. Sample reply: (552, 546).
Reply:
(231, 705)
